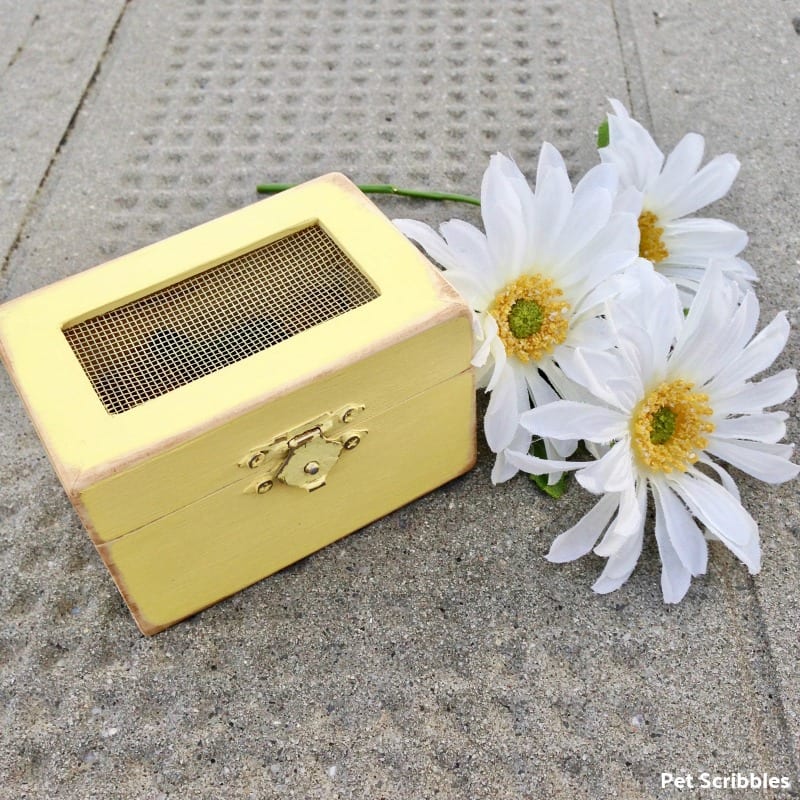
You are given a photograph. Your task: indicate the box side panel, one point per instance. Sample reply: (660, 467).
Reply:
(122, 503)
(194, 557)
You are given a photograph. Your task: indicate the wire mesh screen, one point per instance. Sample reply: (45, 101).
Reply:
(178, 334)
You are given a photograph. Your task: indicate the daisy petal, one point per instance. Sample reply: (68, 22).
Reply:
(767, 462)
(429, 240)
(589, 332)
(722, 514)
(703, 308)
(685, 537)
(503, 469)
(540, 466)
(756, 357)
(630, 519)
(549, 158)
(708, 185)
(681, 164)
(527, 211)
(629, 200)
(619, 108)
(472, 289)
(675, 577)
(506, 233)
(552, 204)
(768, 427)
(712, 313)
(566, 419)
(660, 326)
(727, 327)
(603, 374)
(612, 473)
(756, 396)
(600, 177)
(469, 247)
(543, 393)
(501, 420)
(725, 478)
(612, 249)
(735, 333)
(580, 538)
(620, 565)
(632, 150)
(698, 239)
(565, 388)
(588, 215)
(487, 328)
(468, 244)
(498, 352)
(740, 271)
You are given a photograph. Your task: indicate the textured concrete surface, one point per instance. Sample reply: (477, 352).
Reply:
(434, 653)
(50, 55)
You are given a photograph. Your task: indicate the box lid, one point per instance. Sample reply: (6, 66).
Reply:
(90, 437)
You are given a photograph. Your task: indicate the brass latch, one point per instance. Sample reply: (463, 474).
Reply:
(305, 455)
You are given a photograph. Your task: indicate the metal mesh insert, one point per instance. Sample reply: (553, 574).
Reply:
(176, 335)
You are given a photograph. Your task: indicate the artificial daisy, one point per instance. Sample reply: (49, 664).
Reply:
(663, 193)
(674, 396)
(534, 280)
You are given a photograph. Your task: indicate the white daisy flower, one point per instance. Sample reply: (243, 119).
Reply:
(673, 396)
(664, 193)
(529, 280)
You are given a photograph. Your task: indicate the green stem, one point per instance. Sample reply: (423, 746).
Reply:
(382, 188)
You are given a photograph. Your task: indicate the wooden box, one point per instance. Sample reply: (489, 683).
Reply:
(224, 402)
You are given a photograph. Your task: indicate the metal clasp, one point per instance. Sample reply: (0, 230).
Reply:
(305, 455)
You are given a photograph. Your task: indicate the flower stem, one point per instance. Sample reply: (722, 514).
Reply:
(383, 188)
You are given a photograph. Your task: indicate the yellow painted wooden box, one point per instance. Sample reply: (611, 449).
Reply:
(224, 402)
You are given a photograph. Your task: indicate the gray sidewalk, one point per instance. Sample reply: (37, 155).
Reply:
(434, 653)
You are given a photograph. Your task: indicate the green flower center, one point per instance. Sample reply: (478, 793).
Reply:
(532, 318)
(662, 425)
(525, 318)
(670, 427)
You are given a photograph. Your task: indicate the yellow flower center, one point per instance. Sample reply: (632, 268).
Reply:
(531, 317)
(669, 427)
(651, 245)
